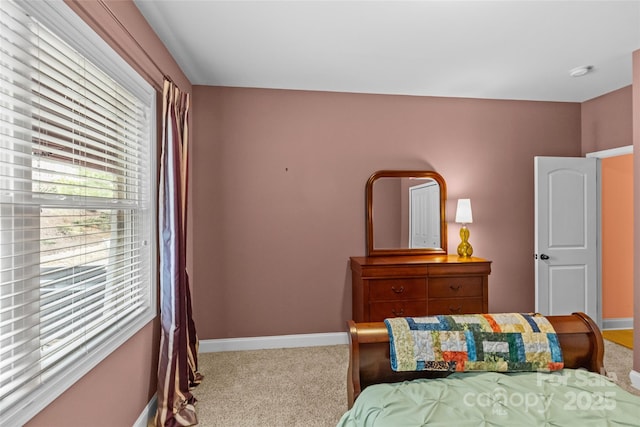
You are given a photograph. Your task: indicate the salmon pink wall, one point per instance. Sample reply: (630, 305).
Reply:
(278, 195)
(606, 121)
(617, 237)
(114, 393)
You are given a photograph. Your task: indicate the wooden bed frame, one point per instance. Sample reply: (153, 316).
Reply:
(369, 363)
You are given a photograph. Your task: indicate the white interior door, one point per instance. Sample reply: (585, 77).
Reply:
(566, 229)
(424, 227)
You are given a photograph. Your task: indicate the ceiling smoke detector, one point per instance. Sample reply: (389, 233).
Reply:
(581, 71)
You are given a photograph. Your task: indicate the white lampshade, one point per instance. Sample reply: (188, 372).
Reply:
(463, 212)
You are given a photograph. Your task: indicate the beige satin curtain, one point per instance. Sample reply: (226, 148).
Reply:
(178, 363)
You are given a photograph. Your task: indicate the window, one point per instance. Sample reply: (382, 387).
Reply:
(77, 203)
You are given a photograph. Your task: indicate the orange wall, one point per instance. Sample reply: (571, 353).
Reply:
(617, 237)
(636, 206)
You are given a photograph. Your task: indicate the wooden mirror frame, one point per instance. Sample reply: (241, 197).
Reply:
(371, 250)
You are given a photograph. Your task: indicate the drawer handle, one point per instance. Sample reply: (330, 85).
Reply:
(454, 288)
(398, 290)
(397, 313)
(456, 309)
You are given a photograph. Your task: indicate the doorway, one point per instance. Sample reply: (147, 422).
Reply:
(617, 237)
(614, 296)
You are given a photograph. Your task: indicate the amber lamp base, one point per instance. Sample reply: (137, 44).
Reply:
(465, 250)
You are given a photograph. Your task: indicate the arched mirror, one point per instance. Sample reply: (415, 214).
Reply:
(405, 213)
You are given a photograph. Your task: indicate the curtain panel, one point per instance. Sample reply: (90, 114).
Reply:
(178, 360)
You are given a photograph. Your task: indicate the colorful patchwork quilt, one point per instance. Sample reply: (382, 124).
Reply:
(506, 342)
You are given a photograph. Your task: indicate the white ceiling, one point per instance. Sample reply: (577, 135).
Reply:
(477, 49)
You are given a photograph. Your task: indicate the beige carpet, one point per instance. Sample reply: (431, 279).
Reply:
(273, 388)
(618, 361)
(301, 386)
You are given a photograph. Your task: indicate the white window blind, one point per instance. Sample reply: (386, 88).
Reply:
(77, 206)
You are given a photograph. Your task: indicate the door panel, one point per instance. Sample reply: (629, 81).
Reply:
(566, 290)
(566, 227)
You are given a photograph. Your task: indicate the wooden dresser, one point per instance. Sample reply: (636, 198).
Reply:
(418, 285)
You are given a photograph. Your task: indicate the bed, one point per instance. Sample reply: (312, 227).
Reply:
(579, 394)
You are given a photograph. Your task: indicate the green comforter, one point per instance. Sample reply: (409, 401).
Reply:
(563, 398)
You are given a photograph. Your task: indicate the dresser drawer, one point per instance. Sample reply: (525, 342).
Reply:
(397, 289)
(378, 311)
(452, 287)
(455, 306)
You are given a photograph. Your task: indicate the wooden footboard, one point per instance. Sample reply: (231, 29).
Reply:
(369, 363)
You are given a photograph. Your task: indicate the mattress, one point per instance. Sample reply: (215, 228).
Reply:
(563, 398)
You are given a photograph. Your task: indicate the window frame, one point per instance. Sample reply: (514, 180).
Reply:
(66, 24)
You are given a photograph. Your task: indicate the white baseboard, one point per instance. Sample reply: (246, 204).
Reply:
(148, 413)
(634, 376)
(620, 323)
(276, 341)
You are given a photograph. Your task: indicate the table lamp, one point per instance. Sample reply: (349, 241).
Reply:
(464, 217)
